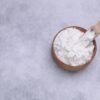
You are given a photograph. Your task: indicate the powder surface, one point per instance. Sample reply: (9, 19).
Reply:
(74, 47)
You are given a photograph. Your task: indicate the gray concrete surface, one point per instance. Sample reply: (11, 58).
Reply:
(27, 71)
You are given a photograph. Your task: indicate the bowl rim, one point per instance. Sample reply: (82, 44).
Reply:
(64, 65)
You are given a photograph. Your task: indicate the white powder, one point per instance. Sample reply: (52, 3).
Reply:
(73, 47)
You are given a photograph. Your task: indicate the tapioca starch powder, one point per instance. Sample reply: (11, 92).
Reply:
(74, 47)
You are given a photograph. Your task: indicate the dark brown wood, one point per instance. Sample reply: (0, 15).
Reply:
(68, 67)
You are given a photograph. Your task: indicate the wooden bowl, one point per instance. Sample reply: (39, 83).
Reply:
(68, 67)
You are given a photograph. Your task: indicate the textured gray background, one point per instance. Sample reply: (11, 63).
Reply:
(27, 71)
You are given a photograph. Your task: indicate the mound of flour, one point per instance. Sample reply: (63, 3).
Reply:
(73, 47)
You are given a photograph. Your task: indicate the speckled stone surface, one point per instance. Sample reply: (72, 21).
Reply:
(27, 70)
